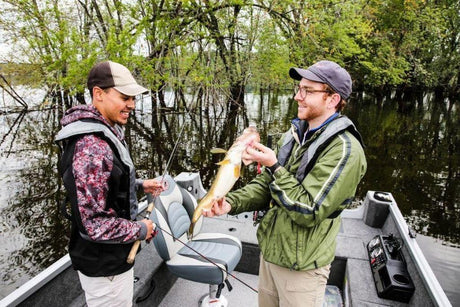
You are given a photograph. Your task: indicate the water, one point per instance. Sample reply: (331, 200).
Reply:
(444, 260)
(413, 154)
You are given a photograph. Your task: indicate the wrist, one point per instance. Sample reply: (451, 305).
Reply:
(139, 183)
(272, 169)
(143, 230)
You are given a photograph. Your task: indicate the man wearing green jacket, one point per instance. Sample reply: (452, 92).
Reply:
(304, 187)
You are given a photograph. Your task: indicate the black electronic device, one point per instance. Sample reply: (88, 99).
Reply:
(389, 269)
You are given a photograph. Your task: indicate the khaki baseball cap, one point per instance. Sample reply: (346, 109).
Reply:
(110, 74)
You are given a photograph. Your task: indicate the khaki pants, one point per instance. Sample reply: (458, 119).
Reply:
(110, 291)
(282, 287)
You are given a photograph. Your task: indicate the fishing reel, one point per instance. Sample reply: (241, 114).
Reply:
(257, 216)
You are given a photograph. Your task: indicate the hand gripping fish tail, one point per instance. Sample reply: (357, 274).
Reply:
(228, 173)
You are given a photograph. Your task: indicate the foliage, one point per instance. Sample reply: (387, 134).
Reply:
(229, 45)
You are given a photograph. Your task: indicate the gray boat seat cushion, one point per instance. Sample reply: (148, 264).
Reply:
(173, 212)
(178, 219)
(223, 250)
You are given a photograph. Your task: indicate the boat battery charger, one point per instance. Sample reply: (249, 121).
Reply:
(392, 280)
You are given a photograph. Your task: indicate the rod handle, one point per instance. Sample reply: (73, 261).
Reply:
(150, 209)
(133, 252)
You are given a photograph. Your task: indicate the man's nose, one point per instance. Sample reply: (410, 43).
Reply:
(131, 103)
(298, 97)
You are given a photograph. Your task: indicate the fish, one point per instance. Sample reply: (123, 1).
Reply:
(228, 173)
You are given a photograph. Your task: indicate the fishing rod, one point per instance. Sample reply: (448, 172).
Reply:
(207, 259)
(135, 247)
(137, 243)
(150, 209)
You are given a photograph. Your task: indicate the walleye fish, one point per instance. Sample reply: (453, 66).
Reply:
(228, 173)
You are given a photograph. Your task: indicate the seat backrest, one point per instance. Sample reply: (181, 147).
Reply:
(173, 212)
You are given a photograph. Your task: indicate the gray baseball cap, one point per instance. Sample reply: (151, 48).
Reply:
(327, 72)
(110, 74)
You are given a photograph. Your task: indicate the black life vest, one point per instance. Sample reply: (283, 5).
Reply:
(96, 258)
(329, 133)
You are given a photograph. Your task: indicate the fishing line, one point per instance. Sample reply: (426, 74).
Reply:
(173, 151)
(176, 144)
(135, 247)
(165, 231)
(207, 259)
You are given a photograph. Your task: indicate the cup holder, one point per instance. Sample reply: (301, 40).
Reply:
(401, 279)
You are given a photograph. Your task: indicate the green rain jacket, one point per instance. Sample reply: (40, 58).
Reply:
(301, 224)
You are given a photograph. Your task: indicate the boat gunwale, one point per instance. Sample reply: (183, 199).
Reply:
(430, 281)
(432, 284)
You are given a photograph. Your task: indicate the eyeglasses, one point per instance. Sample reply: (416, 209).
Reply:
(304, 91)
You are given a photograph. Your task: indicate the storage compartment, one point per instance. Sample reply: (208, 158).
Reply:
(376, 210)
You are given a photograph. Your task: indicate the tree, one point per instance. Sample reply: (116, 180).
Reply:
(222, 47)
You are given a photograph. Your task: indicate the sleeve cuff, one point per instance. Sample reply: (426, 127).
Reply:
(139, 183)
(142, 231)
(279, 172)
(275, 169)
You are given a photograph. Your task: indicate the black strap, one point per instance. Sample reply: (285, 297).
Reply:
(334, 214)
(63, 208)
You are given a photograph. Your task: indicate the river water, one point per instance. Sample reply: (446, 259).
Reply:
(412, 151)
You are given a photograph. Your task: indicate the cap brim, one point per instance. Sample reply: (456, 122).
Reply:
(299, 73)
(131, 89)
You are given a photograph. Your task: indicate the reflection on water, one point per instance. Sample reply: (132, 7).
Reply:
(415, 155)
(32, 232)
(444, 260)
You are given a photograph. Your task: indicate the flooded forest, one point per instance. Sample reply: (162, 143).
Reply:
(212, 67)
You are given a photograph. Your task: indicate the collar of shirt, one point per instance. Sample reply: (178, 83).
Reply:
(310, 132)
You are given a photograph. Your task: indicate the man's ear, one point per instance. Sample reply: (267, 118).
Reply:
(334, 101)
(97, 93)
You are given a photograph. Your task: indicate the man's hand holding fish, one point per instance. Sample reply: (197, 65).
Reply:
(254, 153)
(219, 207)
(261, 154)
(228, 173)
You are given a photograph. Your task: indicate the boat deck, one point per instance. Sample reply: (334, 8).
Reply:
(186, 293)
(351, 253)
(350, 271)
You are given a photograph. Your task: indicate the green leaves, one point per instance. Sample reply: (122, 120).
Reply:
(236, 43)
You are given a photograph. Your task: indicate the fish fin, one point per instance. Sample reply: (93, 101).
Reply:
(223, 162)
(218, 150)
(236, 172)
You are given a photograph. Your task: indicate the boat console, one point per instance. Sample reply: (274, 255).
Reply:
(392, 280)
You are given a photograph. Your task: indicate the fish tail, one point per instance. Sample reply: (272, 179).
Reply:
(195, 218)
(190, 230)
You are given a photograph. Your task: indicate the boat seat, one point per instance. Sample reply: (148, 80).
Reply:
(223, 250)
(173, 212)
